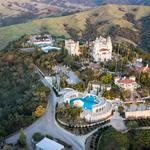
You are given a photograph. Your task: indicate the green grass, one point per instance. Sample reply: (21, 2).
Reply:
(114, 14)
(113, 139)
(134, 139)
(54, 26)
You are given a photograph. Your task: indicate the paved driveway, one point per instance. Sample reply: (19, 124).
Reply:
(48, 125)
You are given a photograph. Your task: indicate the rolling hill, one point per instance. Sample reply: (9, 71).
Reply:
(104, 19)
(123, 2)
(20, 11)
(100, 2)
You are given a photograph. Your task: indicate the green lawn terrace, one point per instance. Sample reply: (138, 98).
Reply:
(138, 123)
(134, 139)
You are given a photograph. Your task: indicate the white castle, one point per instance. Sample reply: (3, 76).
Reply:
(72, 47)
(102, 49)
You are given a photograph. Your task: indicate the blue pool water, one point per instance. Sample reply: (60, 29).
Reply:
(89, 101)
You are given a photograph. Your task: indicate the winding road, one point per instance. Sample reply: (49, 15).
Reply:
(48, 125)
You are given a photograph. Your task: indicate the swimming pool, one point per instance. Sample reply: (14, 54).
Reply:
(46, 49)
(88, 102)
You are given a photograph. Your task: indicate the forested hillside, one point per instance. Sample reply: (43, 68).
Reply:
(145, 33)
(23, 97)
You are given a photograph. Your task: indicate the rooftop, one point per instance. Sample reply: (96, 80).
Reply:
(145, 69)
(70, 41)
(126, 81)
(40, 38)
(135, 107)
(104, 49)
(47, 144)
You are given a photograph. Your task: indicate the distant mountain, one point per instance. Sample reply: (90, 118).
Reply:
(19, 11)
(101, 2)
(65, 2)
(123, 2)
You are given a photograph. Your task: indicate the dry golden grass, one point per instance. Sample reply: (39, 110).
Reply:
(16, 10)
(114, 13)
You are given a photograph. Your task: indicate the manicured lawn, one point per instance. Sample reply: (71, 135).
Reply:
(113, 140)
(138, 123)
(133, 140)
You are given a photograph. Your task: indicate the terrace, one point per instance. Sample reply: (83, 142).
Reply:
(137, 111)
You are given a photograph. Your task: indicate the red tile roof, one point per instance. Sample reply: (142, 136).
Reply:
(145, 69)
(104, 49)
(126, 81)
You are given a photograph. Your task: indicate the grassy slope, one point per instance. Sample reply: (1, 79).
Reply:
(111, 139)
(110, 13)
(114, 15)
(54, 25)
(15, 10)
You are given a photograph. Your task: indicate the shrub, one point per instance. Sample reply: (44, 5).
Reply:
(37, 137)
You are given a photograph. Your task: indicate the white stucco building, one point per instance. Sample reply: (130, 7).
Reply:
(72, 47)
(144, 69)
(102, 49)
(99, 112)
(137, 111)
(94, 108)
(95, 84)
(47, 144)
(41, 39)
(126, 83)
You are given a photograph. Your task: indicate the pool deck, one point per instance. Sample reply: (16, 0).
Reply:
(89, 102)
